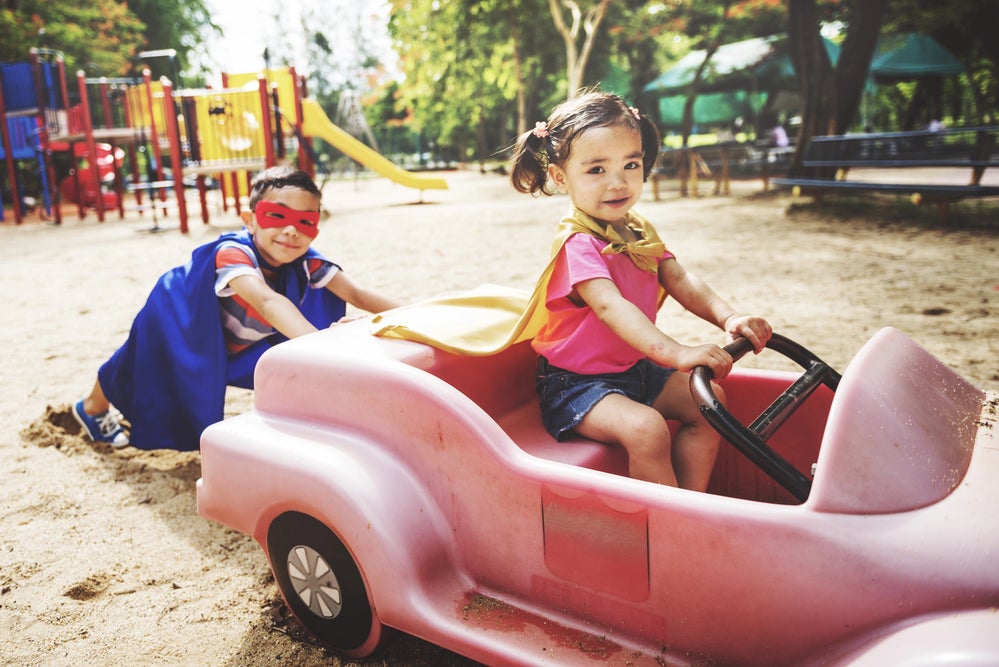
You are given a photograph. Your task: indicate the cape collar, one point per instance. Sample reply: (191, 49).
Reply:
(644, 253)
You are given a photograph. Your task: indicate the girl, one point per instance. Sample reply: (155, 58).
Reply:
(605, 370)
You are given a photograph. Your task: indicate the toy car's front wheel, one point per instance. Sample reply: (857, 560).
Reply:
(321, 584)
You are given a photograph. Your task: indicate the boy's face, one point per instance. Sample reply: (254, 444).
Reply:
(281, 244)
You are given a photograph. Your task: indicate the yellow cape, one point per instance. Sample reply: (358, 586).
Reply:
(491, 318)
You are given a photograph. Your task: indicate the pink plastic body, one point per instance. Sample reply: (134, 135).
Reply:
(474, 530)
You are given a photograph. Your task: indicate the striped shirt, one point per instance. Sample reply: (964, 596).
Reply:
(242, 324)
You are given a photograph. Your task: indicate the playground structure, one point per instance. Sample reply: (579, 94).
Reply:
(173, 139)
(21, 143)
(22, 86)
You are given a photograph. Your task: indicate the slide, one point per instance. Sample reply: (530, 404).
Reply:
(315, 123)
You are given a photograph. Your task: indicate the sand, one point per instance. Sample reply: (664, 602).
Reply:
(103, 559)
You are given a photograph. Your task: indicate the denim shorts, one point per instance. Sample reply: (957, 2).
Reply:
(567, 397)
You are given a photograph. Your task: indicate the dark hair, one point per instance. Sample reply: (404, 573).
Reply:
(275, 178)
(533, 153)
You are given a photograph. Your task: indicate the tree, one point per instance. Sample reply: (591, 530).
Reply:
(182, 25)
(830, 97)
(709, 24)
(576, 55)
(965, 28)
(103, 37)
(641, 44)
(714, 37)
(456, 58)
(99, 37)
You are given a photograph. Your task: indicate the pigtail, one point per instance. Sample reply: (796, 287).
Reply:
(529, 164)
(651, 141)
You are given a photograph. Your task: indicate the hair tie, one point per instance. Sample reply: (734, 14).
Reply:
(635, 112)
(540, 129)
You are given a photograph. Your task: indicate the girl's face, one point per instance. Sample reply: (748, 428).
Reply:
(283, 244)
(603, 174)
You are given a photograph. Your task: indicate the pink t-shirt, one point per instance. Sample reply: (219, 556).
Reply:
(573, 337)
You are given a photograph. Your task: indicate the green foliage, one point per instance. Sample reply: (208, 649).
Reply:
(102, 37)
(20, 33)
(966, 28)
(98, 37)
(708, 21)
(183, 25)
(465, 62)
(458, 61)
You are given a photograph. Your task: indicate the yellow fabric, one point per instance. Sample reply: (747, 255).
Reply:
(644, 253)
(491, 318)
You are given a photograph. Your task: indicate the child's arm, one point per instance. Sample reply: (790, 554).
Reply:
(696, 296)
(628, 321)
(275, 308)
(358, 296)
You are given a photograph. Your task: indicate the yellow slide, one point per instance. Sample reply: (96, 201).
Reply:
(315, 123)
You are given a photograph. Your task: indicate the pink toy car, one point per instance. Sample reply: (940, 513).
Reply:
(393, 485)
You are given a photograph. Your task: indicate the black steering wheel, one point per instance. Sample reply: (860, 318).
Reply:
(752, 440)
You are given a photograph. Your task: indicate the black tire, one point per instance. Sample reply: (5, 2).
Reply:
(321, 584)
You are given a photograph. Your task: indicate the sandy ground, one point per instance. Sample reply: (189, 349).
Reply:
(103, 559)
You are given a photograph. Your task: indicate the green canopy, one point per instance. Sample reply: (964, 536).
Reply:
(761, 63)
(711, 108)
(917, 57)
(735, 83)
(728, 68)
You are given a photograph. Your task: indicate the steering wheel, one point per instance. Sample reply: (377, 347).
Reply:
(752, 440)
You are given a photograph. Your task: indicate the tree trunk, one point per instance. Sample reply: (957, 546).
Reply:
(855, 60)
(815, 77)
(518, 71)
(830, 98)
(687, 123)
(589, 23)
(481, 143)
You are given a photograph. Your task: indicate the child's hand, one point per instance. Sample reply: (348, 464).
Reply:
(349, 318)
(712, 356)
(754, 329)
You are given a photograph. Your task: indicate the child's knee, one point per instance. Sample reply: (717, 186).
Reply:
(647, 430)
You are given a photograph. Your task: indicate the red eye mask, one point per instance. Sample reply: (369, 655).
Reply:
(271, 214)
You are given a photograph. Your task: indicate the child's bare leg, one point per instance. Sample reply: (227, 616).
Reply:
(96, 402)
(640, 429)
(695, 445)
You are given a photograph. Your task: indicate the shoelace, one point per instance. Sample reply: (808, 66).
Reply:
(107, 423)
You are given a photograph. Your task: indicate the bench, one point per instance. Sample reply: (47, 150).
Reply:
(960, 149)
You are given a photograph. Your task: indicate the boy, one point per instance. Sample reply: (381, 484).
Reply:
(207, 323)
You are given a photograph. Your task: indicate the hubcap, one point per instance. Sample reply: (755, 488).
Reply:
(314, 581)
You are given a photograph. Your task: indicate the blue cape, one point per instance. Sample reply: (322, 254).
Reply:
(169, 377)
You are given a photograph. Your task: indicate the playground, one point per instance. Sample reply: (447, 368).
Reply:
(113, 566)
(111, 146)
